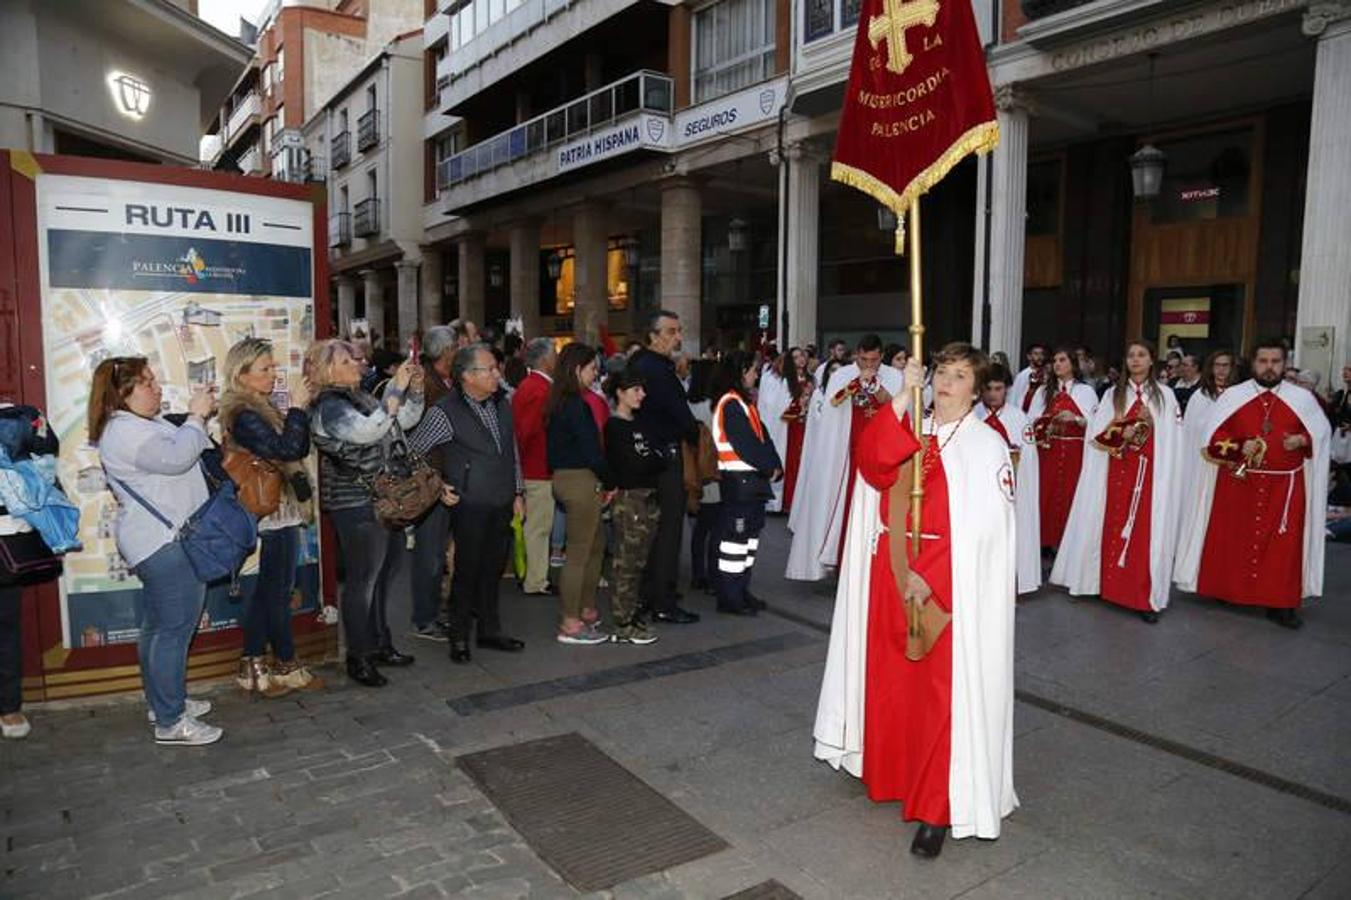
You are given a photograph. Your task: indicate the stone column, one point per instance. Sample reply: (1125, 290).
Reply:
(525, 276)
(473, 288)
(804, 219)
(979, 283)
(347, 302)
(407, 271)
(375, 304)
(433, 278)
(591, 298)
(1008, 225)
(681, 257)
(1325, 264)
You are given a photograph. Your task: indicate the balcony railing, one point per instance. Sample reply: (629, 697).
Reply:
(340, 150)
(316, 168)
(251, 161)
(340, 229)
(1040, 9)
(637, 93)
(246, 109)
(368, 129)
(366, 218)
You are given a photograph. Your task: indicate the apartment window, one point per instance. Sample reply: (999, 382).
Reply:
(372, 185)
(281, 65)
(267, 80)
(733, 46)
(496, 10)
(342, 121)
(344, 204)
(825, 17)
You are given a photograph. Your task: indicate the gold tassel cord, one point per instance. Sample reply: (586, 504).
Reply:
(981, 140)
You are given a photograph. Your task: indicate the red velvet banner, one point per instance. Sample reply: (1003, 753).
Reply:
(918, 100)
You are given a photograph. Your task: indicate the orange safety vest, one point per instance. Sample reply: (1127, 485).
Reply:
(728, 461)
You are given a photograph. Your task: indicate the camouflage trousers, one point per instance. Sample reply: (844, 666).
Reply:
(634, 518)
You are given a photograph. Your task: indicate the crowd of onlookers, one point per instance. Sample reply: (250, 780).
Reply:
(573, 467)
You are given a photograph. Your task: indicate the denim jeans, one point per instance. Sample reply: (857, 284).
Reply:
(267, 611)
(11, 646)
(372, 553)
(170, 607)
(428, 562)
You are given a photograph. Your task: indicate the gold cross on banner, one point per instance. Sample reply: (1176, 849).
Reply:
(899, 15)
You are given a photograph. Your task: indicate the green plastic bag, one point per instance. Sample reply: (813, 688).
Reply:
(518, 541)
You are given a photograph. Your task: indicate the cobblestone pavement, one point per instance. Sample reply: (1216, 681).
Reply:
(1209, 755)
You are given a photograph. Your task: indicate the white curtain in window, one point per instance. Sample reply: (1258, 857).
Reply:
(733, 46)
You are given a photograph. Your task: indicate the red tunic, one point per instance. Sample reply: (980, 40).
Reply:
(907, 734)
(1246, 558)
(1058, 467)
(1128, 585)
(863, 407)
(797, 428)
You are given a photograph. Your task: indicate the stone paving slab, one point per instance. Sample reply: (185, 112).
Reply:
(354, 793)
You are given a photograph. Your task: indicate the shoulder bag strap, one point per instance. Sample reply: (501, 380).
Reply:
(141, 500)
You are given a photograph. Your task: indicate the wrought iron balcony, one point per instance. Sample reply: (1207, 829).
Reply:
(368, 129)
(340, 150)
(340, 229)
(637, 93)
(366, 218)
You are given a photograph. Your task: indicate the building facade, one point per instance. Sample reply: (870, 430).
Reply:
(370, 131)
(1242, 111)
(306, 52)
(125, 79)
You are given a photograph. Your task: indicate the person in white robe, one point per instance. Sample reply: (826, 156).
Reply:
(1014, 427)
(1025, 382)
(817, 517)
(772, 399)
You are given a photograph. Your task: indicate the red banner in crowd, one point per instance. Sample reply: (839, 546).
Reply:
(918, 100)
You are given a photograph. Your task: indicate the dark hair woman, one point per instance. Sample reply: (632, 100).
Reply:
(635, 463)
(747, 462)
(581, 485)
(799, 393)
(250, 421)
(153, 468)
(1060, 414)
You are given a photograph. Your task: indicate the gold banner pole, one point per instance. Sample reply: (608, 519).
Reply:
(916, 352)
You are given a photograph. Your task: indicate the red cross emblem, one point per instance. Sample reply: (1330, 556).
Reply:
(1005, 478)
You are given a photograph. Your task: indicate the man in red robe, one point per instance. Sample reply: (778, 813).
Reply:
(1265, 498)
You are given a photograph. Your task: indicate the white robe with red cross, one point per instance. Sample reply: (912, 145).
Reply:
(1014, 428)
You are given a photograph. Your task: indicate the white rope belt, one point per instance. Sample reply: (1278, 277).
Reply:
(1289, 475)
(1129, 530)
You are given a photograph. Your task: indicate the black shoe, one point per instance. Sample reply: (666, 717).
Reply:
(459, 652)
(1150, 618)
(500, 642)
(432, 631)
(388, 656)
(928, 841)
(746, 610)
(1286, 618)
(755, 602)
(362, 671)
(676, 616)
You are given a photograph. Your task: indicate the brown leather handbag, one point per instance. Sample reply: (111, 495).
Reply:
(405, 488)
(259, 481)
(925, 620)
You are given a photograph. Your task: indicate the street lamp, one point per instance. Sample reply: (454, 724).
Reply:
(555, 265)
(1148, 163)
(737, 231)
(632, 252)
(886, 219)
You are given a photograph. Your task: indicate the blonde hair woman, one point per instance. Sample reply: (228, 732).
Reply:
(250, 421)
(356, 434)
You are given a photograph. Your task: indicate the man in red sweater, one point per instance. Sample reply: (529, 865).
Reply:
(527, 413)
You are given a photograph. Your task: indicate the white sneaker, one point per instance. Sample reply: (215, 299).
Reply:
(191, 707)
(15, 732)
(188, 733)
(588, 637)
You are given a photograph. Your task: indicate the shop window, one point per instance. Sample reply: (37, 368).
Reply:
(1208, 176)
(618, 279)
(733, 46)
(1043, 198)
(825, 17)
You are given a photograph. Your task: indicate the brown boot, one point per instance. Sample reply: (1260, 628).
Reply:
(255, 678)
(295, 676)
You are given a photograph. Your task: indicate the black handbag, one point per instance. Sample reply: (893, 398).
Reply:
(25, 558)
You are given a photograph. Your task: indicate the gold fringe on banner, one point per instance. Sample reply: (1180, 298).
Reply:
(981, 139)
